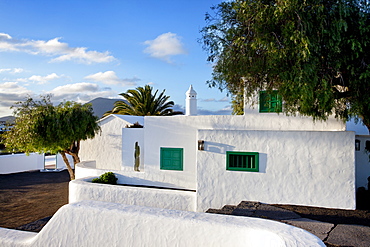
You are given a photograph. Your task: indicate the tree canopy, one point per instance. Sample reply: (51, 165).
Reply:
(42, 127)
(143, 102)
(314, 52)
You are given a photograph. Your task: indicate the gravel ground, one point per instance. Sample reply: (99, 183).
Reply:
(30, 196)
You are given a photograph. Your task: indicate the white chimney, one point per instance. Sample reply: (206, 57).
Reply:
(191, 102)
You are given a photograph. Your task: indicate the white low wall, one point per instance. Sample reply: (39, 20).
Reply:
(61, 165)
(93, 223)
(13, 163)
(84, 189)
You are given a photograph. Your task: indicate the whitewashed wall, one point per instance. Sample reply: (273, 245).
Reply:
(105, 148)
(182, 132)
(84, 189)
(362, 162)
(296, 167)
(93, 223)
(170, 132)
(13, 163)
(129, 137)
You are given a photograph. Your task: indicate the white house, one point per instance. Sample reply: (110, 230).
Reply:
(260, 156)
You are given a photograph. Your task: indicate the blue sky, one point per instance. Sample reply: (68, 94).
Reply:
(79, 50)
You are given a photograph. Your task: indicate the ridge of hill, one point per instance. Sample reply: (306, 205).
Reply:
(102, 105)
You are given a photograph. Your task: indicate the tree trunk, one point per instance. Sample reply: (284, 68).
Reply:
(73, 151)
(70, 170)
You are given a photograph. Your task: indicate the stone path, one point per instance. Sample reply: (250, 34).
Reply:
(331, 234)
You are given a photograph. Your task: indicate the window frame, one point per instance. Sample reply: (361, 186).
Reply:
(245, 169)
(269, 98)
(171, 168)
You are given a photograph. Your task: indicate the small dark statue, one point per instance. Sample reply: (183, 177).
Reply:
(137, 157)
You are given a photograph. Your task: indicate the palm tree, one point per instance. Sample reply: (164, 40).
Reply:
(142, 102)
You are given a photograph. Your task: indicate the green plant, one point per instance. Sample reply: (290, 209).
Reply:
(106, 178)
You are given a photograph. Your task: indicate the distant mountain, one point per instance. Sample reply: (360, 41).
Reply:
(7, 119)
(102, 105)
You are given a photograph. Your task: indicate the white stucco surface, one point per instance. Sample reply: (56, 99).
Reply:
(92, 223)
(362, 162)
(106, 148)
(298, 157)
(129, 137)
(13, 163)
(84, 189)
(313, 168)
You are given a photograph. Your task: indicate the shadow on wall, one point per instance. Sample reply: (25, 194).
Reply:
(115, 146)
(220, 148)
(363, 197)
(139, 181)
(215, 147)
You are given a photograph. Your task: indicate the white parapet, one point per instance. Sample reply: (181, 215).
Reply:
(93, 223)
(84, 189)
(13, 163)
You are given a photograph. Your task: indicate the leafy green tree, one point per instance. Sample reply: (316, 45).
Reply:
(42, 127)
(315, 52)
(142, 102)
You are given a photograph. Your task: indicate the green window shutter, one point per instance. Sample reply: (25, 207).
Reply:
(171, 159)
(242, 161)
(270, 102)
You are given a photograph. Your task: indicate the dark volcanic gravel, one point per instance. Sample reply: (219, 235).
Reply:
(29, 196)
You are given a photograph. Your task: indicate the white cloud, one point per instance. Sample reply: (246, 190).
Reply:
(12, 71)
(209, 100)
(224, 99)
(225, 111)
(40, 79)
(10, 93)
(110, 78)
(5, 70)
(165, 46)
(77, 87)
(80, 92)
(61, 51)
(43, 79)
(17, 70)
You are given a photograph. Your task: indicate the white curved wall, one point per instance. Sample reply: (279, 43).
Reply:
(92, 223)
(84, 189)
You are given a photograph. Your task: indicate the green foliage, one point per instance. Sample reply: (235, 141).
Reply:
(142, 102)
(237, 103)
(106, 178)
(42, 127)
(315, 52)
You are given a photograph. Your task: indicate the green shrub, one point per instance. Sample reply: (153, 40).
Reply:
(106, 178)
